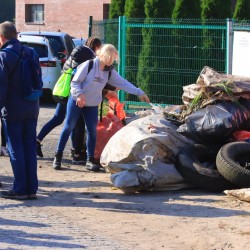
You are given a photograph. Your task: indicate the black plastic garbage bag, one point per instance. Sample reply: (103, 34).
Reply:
(215, 123)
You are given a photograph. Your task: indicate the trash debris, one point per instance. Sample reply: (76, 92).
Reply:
(242, 194)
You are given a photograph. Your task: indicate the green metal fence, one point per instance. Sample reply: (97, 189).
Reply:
(163, 55)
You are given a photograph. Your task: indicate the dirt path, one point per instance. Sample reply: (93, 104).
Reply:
(78, 209)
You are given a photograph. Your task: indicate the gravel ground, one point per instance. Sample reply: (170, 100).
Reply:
(78, 209)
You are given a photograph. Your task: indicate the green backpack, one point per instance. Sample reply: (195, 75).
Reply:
(62, 87)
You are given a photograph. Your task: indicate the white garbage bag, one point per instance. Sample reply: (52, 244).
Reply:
(141, 155)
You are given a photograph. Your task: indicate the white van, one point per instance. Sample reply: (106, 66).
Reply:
(50, 65)
(60, 42)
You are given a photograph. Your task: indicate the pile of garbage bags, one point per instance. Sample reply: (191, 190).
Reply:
(141, 156)
(186, 145)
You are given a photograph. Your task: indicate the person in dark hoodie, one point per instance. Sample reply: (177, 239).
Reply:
(19, 115)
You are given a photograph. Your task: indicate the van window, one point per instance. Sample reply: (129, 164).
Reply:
(41, 50)
(56, 44)
(69, 43)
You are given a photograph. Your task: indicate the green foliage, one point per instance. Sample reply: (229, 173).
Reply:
(185, 43)
(134, 8)
(242, 10)
(7, 10)
(158, 8)
(116, 8)
(152, 59)
(183, 9)
(110, 30)
(216, 9)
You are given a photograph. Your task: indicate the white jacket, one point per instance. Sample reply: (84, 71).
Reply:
(91, 84)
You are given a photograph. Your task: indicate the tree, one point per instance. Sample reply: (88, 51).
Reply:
(216, 9)
(213, 54)
(159, 8)
(116, 8)
(153, 59)
(183, 9)
(133, 9)
(242, 10)
(185, 46)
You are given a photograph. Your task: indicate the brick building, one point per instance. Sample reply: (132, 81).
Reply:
(64, 15)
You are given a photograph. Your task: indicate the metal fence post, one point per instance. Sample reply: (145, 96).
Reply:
(229, 50)
(90, 26)
(122, 52)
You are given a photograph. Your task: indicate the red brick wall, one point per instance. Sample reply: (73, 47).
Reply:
(68, 16)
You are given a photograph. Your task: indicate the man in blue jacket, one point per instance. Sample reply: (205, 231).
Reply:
(20, 117)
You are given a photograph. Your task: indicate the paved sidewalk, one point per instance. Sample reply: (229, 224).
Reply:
(28, 225)
(43, 223)
(24, 226)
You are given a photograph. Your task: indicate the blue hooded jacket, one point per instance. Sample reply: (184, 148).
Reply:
(13, 106)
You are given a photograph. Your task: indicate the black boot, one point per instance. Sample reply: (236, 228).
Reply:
(57, 161)
(39, 149)
(93, 165)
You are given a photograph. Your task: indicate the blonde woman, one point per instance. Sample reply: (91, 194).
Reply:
(86, 95)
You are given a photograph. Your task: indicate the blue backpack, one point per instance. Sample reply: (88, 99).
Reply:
(31, 79)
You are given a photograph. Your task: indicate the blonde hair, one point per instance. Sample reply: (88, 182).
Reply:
(108, 52)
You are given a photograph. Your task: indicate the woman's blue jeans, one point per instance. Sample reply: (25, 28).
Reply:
(90, 115)
(56, 120)
(77, 135)
(21, 141)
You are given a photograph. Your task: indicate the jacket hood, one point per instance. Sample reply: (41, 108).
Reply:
(11, 43)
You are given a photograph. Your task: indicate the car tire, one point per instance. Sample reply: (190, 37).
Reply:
(230, 160)
(192, 165)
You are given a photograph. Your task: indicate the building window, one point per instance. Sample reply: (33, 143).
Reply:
(105, 11)
(34, 13)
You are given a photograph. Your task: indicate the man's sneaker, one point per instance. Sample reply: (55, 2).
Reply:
(4, 151)
(32, 197)
(39, 149)
(81, 158)
(93, 165)
(11, 195)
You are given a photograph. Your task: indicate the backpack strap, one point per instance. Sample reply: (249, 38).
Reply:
(18, 58)
(90, 65)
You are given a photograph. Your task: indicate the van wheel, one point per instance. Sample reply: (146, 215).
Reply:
(198, 168)
(233, 162)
